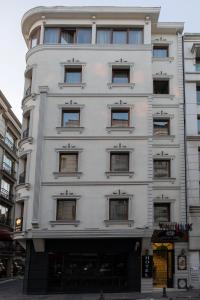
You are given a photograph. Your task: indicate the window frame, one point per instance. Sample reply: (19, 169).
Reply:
(119, 199)
(161, 80)
(118, 69)
(121, 153)
(37, 32)
(65, 111)
(122, 110)
(73, 69)
(157, 119)
(162, 204)
(66, 200)
(198, 124)
(169, 168)
(166, 46)
(68, 154)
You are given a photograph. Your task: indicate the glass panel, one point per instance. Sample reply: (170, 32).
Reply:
(160, 51)
(120, 76)
(51, 35)
(71, 119)
(161, 127)
(9, 140)
(118, 209)
(198, 122)
(7, 164)
(161, 168)
(84, 36)
(198, 64)
(4, 214)
(120, 37)
(68, 162)
(161, 212)
(35, 37)
(120, 162)
(103, 36)
(120, 118)
(67, 36)
(66, 210)
(135, 36)
(73, 76)
(161, 86)
(198, 94)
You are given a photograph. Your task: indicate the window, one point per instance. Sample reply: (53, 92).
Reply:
(35, 37)
(66, 210)
(22, 175)
(160, 86)
(118, 209)
(161, 168)
(161, 127)
(160, 51)
(198, 124)
(55, 35)
(71, 118)
(119, 36)
(198, 64)
(4, 215)
(121, 75)
(161, 212)
(73, 75)
(68, 162)
(7, 164)
(26, 125)
(5, 189)
(119, 162)
(9, 140)
(120, 118)
(198, 93)
(199, 157)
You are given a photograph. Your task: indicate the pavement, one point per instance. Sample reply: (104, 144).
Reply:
(11, 289)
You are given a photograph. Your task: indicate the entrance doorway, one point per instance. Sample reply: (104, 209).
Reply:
(163, 265)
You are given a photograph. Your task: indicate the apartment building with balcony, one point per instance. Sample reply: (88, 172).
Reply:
(192, 109)
(102, 173)
(10, 134)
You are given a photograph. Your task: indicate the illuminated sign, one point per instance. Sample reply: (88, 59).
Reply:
(18, 224)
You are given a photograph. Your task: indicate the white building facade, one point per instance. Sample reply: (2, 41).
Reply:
(192, 108)
(102, 155)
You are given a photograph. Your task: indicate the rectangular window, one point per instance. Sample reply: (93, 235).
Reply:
(84, 36)
(22, 175)
(160, 51)
(51, 35)
(5, 189)
(118, 209)
(66, 210)
(198, 93)
(120, 36)
(9, 140)
(161, 127)
(160, 86)
(198, 124)
(120, 75)
(161, 168)
(103, 36)
(120, 118)
(199, 157)
(161, 212)
(68, 162)
(73, 75)
(67, 36)
(56, 35)
(135, 36)
(71, 118)
(198, 64)
(7, 164)
(4, 215)
(119, 162)
(35, 37)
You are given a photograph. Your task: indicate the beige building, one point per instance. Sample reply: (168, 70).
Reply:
(102, 156)
(10, 134)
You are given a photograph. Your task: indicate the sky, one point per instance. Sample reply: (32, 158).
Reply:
(13, 48)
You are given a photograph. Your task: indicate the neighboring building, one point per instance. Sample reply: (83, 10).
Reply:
(102, 154)
(10, 134)
(192, 108)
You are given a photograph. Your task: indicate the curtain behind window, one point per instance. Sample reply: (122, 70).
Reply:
(103, 36)
(51, 35)
(135, 36)
(68, 163)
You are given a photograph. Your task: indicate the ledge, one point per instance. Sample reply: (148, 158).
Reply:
(79, 85)
(23, 186)
(170, 179)
(119, 222)
(164, 137)
(64, 222)
(30, 96)
(118, 85)
(69, 129)
(193, 138)
(67, 174)
(164, 96)
(129, 129)
(162, 59)
(26, 140)
(129, 174)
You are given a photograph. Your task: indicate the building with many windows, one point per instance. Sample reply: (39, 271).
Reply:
(10, 134)
(192, 108)
(102, 172)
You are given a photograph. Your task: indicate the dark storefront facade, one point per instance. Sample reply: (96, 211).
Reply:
(84, 266)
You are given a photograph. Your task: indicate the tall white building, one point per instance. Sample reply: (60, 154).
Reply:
(102, 173)
(192, 108)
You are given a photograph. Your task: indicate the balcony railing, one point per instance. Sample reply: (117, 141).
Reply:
(22, 178)
(10, 144)
(4, 193)
(25, 133)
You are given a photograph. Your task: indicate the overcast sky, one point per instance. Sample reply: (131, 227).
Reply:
(13, 48)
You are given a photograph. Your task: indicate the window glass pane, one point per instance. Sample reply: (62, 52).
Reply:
(73, 76)
(71, 119)
(198, 94)
(120, 37)
(51, 35)
(160, 127)
(135, 36)
(67, 36)
(120, 162)
(161, 212)
(9, 140)
(161, 168)
(118, 209)
(4, 214)
(198, 123)
(84, 36)
(198, 64)
(103, 36)
(66, 210)
(161, 86)
(7, 164)
(69, 162)
(120, 76)
(120, 118)
(160, 51)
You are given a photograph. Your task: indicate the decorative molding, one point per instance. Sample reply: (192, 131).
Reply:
(67, 174)
(163, 59)
(28, 140)
(98, 95)
(69, 129)
(162, 114)
(69, 147)
(111, 173)
(64, 84)
(63, 222)
(95, 183)
(97, 138)
(70, 104)
(162, 75)
(128, 223)
(120, 104)
(163, 96)
(119, 85)
(129, 129)
(74, 62)
(163, 155)
(119, 147)
(66, 195)
(43, 89)
(163, 198)
(121, 62)
(119, 194)
(162, 41)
